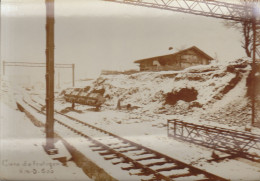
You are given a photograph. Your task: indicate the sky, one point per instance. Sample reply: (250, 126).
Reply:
(98, 35)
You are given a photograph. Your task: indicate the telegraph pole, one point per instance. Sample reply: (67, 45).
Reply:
(253, 64)
(49, 126)
(3, 67)
(73, 75)
(58, 79)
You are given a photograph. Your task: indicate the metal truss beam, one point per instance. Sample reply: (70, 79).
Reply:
(209, 8)
(236, 143)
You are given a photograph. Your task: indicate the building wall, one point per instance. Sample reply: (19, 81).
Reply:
(174, 62)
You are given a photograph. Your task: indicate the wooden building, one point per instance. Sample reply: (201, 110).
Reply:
(178, 61)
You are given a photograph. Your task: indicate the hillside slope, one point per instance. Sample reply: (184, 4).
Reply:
(214, 92)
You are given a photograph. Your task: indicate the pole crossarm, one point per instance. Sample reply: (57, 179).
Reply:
(209, 8)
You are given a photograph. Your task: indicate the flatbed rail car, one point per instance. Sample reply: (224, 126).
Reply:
(84, 96)
(66, 93)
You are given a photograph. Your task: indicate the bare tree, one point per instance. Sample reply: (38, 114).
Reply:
(246, 29)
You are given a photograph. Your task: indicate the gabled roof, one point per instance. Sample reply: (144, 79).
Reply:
(174, 54)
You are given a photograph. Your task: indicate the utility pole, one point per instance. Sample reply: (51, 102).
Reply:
(58, 79)
(49, 126)
(253, 65)
(73, 75)
(3, 67)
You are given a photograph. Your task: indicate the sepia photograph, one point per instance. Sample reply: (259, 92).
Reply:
(130, 90)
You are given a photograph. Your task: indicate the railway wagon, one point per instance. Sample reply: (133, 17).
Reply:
(84, 96)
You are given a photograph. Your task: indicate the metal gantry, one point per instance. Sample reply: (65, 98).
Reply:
(235, 143)
(39, 64)
(209, 8)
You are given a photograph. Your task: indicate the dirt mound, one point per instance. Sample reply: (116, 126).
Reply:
(184, 94)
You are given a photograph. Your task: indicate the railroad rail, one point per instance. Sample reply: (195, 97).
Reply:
(235, 143)
(138, 160)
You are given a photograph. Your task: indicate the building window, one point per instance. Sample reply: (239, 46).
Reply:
(156, 63)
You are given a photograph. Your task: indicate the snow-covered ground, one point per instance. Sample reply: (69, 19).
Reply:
(222, 105)
(217, 104)
(22, 156)
(216, 101)
(150, 131)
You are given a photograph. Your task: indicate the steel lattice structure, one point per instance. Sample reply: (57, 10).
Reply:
(247, 12)
(209, 8)
(236, 143)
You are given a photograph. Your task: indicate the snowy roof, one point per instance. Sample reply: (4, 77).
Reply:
(196, 49)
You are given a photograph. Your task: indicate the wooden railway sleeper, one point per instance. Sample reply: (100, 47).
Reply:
(181, 175)
(147, 158)
(125, 151)
(130, 168)
(110, 144)
(106, 153)
(94, 146)
(110, 158)
(99, 149)
(156, 175)
(120, 147)
(142, 153)
(78, 132)
(108, 138)
(170, 168)
(156, 163)
(116, 163)
(81, 134)
(143, 170)
(142, 173)
(122, 161)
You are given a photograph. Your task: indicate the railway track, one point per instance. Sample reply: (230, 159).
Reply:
(136, 159)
